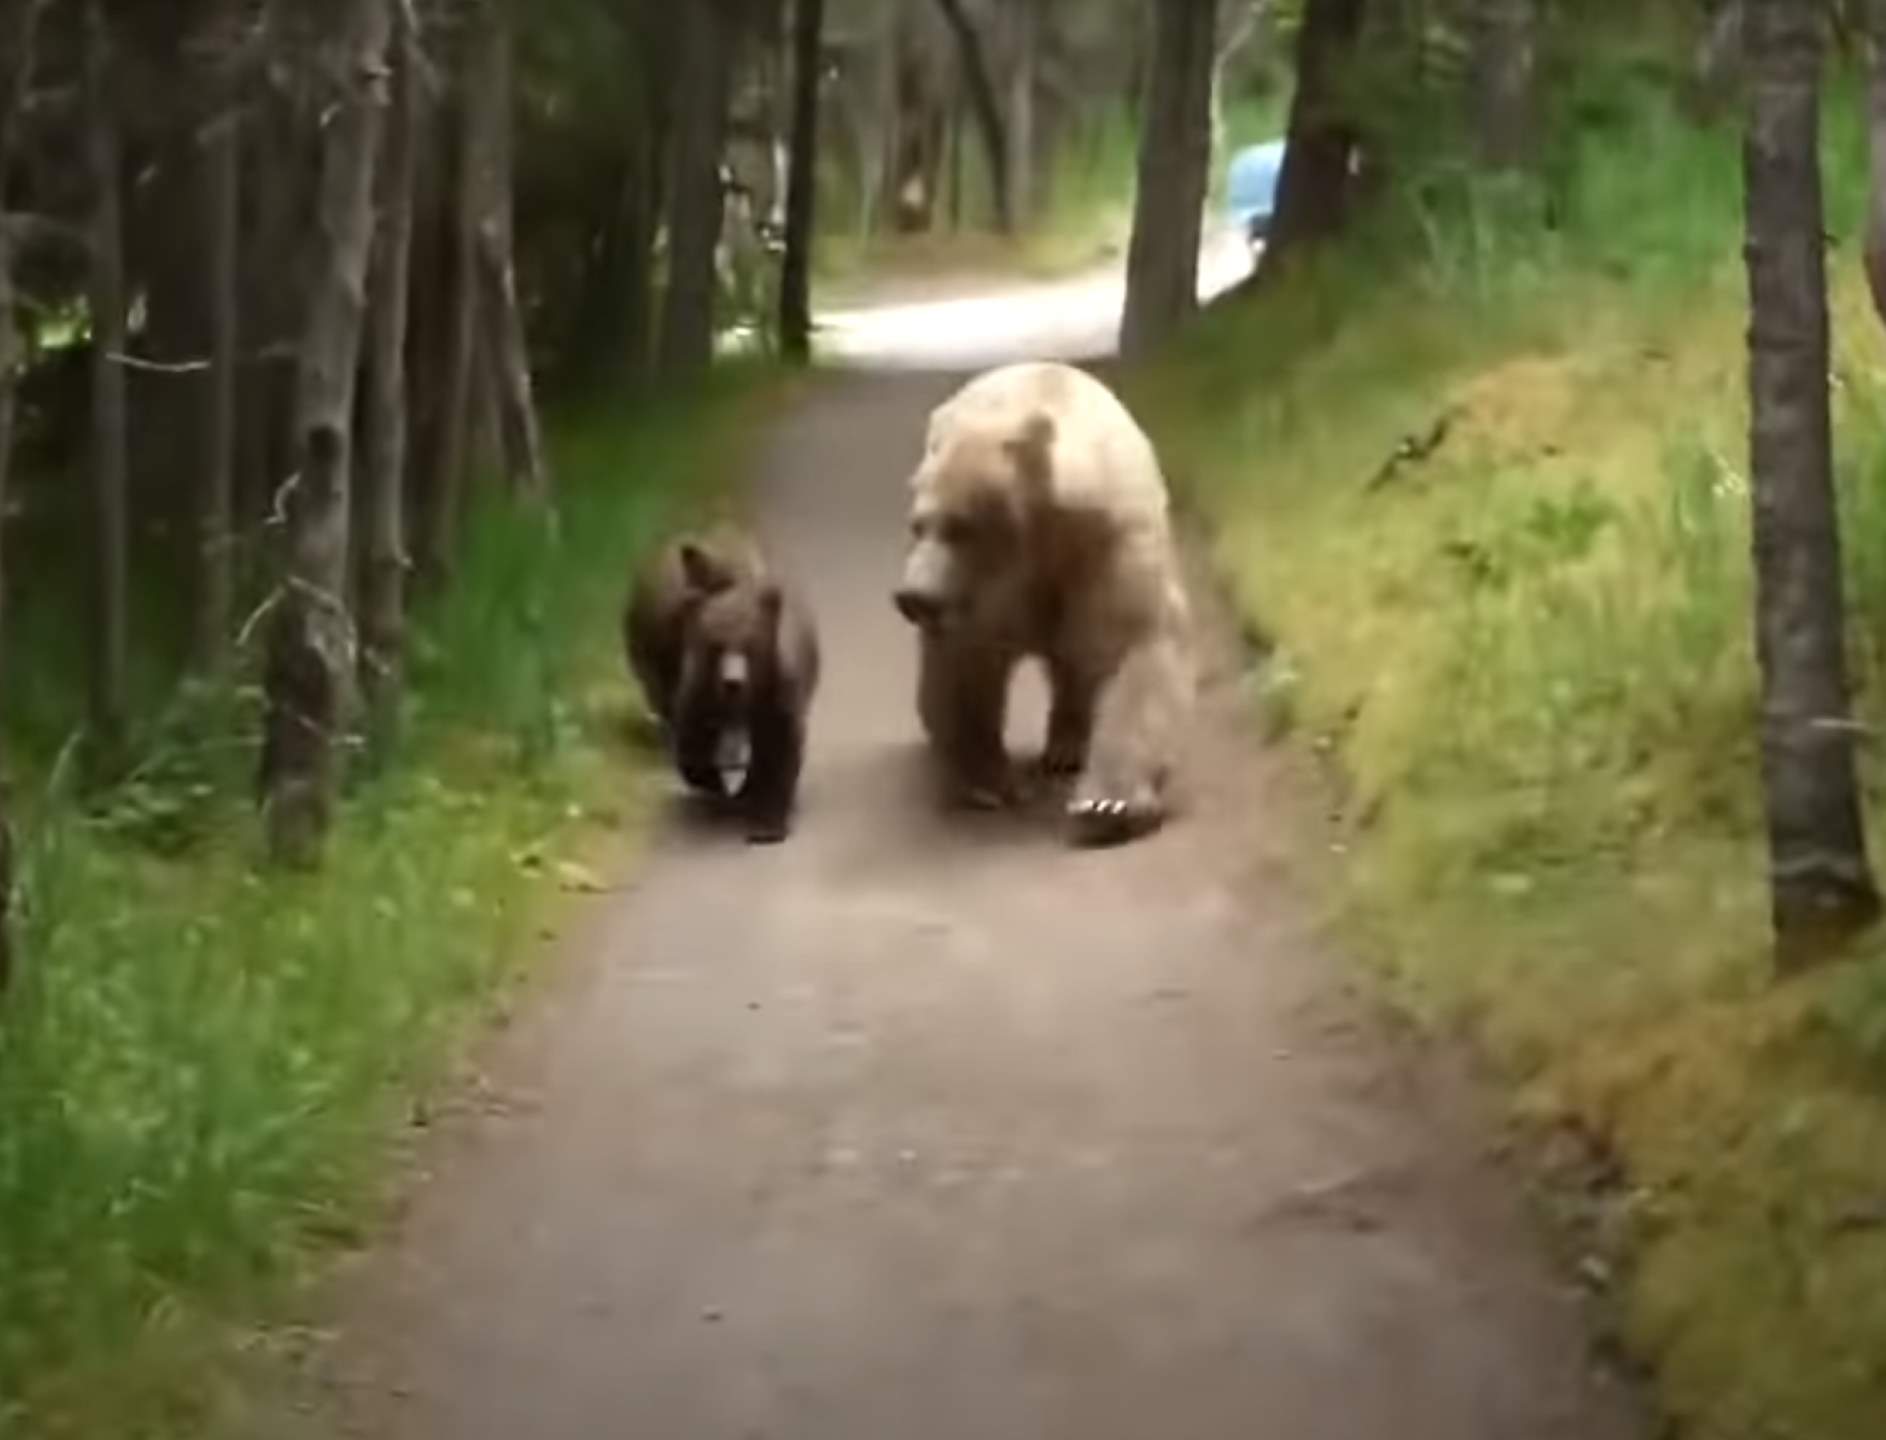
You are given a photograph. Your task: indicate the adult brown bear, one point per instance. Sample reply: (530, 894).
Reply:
(728, 657)
(1039, 528)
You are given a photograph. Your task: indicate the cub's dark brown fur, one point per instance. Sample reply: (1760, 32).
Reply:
(722, 646)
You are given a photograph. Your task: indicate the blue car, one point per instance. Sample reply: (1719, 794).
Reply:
(1251, 188)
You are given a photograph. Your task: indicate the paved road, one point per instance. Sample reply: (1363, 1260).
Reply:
(1077, 318)
(927, 1128)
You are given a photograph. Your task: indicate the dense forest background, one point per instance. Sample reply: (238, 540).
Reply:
(351, 351)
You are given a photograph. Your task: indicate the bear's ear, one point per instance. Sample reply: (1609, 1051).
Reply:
(1033, 454)
(703, 571)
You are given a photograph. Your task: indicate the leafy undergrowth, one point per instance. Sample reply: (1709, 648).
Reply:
(204, 1063)
(1485, 490)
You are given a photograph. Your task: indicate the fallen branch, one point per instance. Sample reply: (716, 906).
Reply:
(1414, 449)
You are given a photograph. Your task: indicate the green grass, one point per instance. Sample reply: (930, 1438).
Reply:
(204, 1064)
(1532, 655)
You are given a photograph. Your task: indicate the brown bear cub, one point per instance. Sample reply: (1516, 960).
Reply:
(728, 657)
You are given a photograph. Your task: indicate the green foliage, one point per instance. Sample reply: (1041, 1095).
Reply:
(202, 1062)
(1529, 645)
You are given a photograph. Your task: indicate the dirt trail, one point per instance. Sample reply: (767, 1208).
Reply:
(928, 1127)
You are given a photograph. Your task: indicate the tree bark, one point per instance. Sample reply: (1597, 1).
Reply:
(916, 153)
(221, 169)
(611, 330)
(1025, 17)
(1174, 158)
(986, 108)
(383, 514)
(795, 277)
(1821, 883)
(500, 319)
(310, 667)
(442, 495)
(18, 28)
(502, 322)
(275, 182)
(695, 203)
(109, 463)
(1313, 187)
(1505, 66)
(18, 31)
(955, 161)
(641, 216)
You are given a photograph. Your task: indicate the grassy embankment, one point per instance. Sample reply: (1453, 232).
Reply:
(1530, 654)
(204, 1065)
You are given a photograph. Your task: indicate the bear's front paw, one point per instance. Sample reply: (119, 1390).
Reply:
(1107, 820)
(767, 832)
(1063, 759)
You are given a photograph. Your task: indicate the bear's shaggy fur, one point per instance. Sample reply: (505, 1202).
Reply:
(1039, 528)
(726, 652)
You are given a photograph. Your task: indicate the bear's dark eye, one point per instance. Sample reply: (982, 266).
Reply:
(956, 530)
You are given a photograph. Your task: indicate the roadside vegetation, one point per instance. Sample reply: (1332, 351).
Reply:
(209, 1060)
(1482, 486)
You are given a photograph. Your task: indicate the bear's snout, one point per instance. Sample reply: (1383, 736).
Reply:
(919, 607)
(733, 677)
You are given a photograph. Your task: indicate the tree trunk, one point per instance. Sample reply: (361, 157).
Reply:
(108, 458)
(955, 161)
(503, 324)
(795, 277)
(383, 515)
(641, 217)
(878, 162)
(18, 23)
(1025, 17)
(695, 202)
(1174, 158)
(916, 151)
(1821, 884)
(442, 495)
(1313, 187)
(610, 331)
(310, 667)
(1505, 65)
(274, 179)
(221, 170)
(985, 107)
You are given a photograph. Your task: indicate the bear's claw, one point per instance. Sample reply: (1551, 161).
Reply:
(1106, 820)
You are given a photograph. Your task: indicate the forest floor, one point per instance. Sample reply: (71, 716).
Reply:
(929, 1126)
